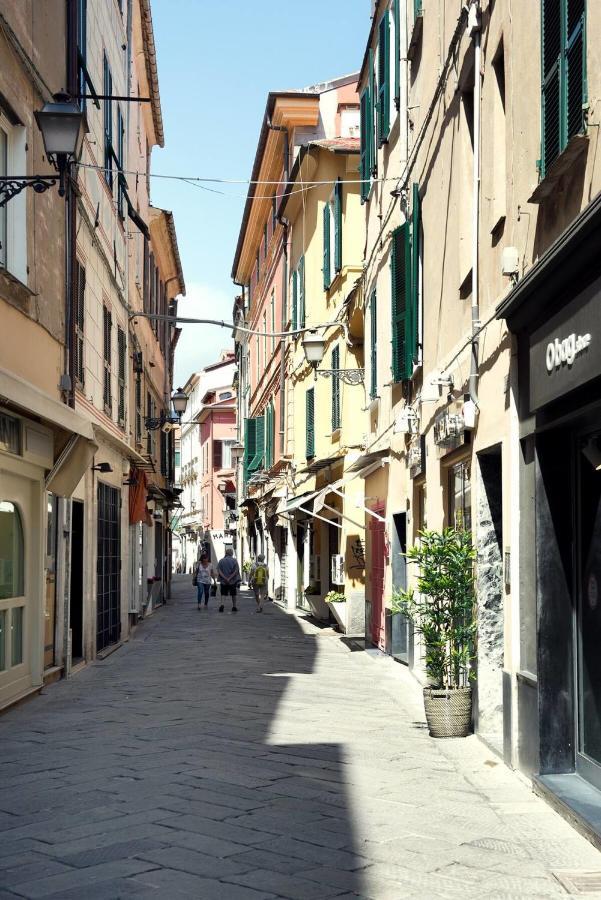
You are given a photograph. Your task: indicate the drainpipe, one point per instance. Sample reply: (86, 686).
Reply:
(474, 25)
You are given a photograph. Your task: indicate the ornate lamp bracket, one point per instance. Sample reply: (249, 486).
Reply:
(348, 376)
(10, 185)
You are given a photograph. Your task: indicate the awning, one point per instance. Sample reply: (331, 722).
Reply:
(71, 466)
(101, 433)
(32, 400)
(294, 504)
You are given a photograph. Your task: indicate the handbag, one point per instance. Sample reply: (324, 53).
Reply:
(213, 590)
(195, 578)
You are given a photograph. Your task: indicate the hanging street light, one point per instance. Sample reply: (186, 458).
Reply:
(179, 400)
(314, 346)
(61, 123)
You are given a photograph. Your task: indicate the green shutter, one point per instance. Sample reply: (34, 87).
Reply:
(373, 319)
(400, 268)
(413, 308)
(268, 436)
(364, 167)
(335, 389)
(418, 8)
(301, 292)
(373, 100)
(310, 423)
(338, 226)
(294, 299)
(397, 51)
(326, 247)
(383, 110)
(250, 448)
(564, 85)
(258, 460)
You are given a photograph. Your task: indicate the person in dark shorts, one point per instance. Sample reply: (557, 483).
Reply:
(228, 572)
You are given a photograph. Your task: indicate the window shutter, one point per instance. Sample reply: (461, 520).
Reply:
(79, 319)
(335, 389)
(301, 292)
(249, 446)
(397, 51)
(383, 111)
(373, 317)
(551, 91)
(217, 455)
(418, 8)
(122, 356)
(259, 460)
(326, 246)
(575, 80)
(294, 299)
(310, 423)
(373, 102)
(413, 310)
(400, 266)
(338, 226)
(364, 167)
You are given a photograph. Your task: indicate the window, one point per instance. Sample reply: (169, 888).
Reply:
(405, 277)
(373, 318)
(150, 414)
(332, 228)
(122, 356)
(12, 585)
(335, 389)
(79, 315)
(138, 409)
(337, 212)
(107, 342)
(294, 321)
(254, 446)
(226, 453)
(301, 292)
(383, 107)
(178, 459)
(418, 8)
(310, 423)
(217, 455)
(367, 131)
(460, 497)
(265, 241)
(13, 216)
(274, 208)
(564, 95)
(107, 82)
(396, 16)
(327, 273)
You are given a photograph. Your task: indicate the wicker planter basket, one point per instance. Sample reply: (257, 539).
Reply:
(448, 711)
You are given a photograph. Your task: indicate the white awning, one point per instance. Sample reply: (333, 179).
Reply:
(295, 503)
(32, 400)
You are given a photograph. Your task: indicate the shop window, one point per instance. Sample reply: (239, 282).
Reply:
(460, 497)
(11, 552)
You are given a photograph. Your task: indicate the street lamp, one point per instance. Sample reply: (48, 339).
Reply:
(168, 421)
(236, 452)
(61, 123)
(179, 399)
(314, 346)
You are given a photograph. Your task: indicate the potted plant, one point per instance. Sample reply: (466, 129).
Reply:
(336, 600)
(443, 611)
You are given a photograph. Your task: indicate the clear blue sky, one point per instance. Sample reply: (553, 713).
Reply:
(217, 63)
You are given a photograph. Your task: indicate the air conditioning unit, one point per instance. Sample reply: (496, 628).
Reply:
(337, 568)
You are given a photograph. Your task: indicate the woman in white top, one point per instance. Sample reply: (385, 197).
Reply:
(204, 576)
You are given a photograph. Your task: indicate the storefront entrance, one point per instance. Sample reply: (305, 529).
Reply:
(588, 609)
(108, 576)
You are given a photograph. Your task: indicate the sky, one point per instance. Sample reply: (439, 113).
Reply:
(217, 62)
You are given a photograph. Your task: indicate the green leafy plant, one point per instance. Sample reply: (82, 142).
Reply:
(443, 608)
(335, 597)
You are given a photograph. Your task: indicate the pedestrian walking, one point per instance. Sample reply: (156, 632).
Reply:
(228, 572)
(259, 580)
(205, 576)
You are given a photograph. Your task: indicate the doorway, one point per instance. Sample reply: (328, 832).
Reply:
(108, 571)
(377, 569)
(401, 632)
(76, 584)
(588, 610)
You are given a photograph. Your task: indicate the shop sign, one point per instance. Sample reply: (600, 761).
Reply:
(562, 351)
(416, 455)
(10, 434)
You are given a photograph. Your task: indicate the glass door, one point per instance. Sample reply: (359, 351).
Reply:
(588, 610)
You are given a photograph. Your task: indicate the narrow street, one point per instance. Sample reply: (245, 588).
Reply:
(239, 757)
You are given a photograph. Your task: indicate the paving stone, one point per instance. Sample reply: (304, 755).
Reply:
(123, 850)
(177, 883)
(185, 860)
(293, 887)
(32, 870)
(82, 878)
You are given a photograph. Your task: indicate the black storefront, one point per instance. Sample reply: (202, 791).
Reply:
(555, 315)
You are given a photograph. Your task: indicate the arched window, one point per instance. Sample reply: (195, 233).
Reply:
(11, 552)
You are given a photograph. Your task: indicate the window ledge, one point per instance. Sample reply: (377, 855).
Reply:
(577, 145)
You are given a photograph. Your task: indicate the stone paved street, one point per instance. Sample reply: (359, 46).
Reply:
(246, 757)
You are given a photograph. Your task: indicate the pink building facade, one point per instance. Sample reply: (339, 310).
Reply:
(217, 424)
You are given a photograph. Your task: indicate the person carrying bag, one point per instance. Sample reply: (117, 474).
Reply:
(204, 579)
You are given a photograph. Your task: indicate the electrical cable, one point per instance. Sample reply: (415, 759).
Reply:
(221, 323)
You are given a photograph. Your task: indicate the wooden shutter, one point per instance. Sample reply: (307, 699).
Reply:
(383, 110)
(217, 454)
(301, 292)
(108, 327)
(294, 299)
(373, 101)
(326, 246)
(400, 266)
(259, 459)
(413, 309)
(396, 15)
(564, 86)
(364, 167)
(310, 423)
(418, 8)
(122, 356)
(78, 322)
(373, 318)
(338, 226)
(250, 448)
(335, 389)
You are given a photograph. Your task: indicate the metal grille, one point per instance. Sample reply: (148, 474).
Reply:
(108, 568)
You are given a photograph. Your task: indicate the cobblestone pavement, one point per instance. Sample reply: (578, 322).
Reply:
(246, 757)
